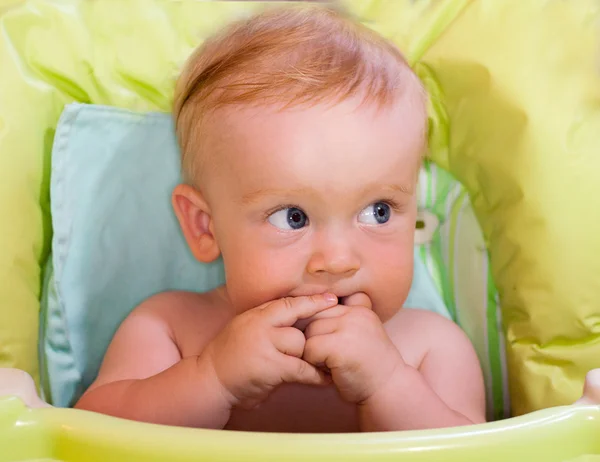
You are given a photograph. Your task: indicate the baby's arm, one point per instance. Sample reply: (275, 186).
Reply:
(143, 376)
(445, 390)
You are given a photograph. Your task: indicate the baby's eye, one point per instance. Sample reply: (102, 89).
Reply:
(288, 218)
(375, 214)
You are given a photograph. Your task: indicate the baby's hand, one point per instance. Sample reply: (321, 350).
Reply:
(259, 349)
(351, 342)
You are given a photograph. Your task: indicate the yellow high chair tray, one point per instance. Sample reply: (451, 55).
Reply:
(30, 431)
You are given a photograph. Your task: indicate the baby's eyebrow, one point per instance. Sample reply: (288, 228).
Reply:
(256, 195)
(409, 190)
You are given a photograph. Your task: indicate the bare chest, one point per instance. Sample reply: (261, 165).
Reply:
(298, 409)
(291, 408)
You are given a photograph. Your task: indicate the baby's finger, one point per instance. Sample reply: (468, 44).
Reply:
(318, 350)
(334, 312)
(321, 327)
(296, 370)
(289, 341)
(286, 311)
(358, 299)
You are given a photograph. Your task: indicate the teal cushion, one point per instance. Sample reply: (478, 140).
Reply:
(116, 239)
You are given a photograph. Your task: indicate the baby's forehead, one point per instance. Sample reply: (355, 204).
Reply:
(342, 137)
(406, 115)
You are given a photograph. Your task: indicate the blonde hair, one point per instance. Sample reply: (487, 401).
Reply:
(286, 56)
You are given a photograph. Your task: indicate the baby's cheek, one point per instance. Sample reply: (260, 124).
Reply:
(391, 279)
(259, 276)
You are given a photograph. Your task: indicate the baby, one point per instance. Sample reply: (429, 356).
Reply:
(301, 135)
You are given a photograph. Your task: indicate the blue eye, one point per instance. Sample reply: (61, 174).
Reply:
(375, 214)
(288, 218)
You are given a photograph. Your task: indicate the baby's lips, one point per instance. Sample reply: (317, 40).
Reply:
(358, 299)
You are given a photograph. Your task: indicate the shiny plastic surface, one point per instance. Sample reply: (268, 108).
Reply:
(552, 435)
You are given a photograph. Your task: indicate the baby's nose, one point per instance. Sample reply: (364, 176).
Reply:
(346, 267)
(335, 256)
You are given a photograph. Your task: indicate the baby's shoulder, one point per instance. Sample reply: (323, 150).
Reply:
(186, 315)
(175, 304)
(416, 332)
(426, 321)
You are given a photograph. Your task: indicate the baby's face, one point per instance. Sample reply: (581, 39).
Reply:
(316, 199)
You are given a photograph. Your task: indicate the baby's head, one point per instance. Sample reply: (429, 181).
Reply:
(301, 134)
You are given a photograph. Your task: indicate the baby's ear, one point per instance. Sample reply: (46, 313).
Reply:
(196, 222)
